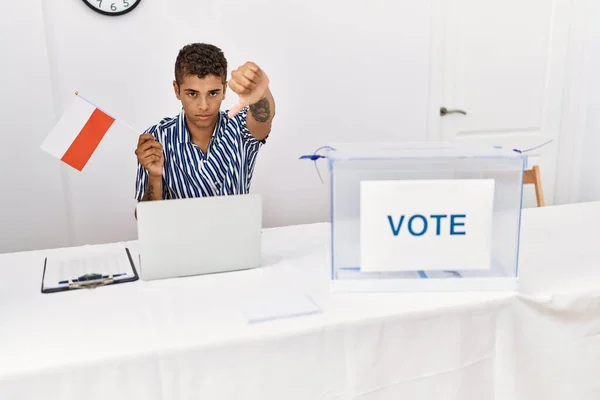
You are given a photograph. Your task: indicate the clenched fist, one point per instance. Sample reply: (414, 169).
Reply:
(250, 83)
(150, 155)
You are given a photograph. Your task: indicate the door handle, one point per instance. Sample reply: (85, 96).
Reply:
(444, 111)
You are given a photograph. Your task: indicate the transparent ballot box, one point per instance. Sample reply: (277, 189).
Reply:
(424, 216)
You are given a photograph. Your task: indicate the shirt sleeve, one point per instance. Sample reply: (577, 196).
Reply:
(251, 143)
(141, 181)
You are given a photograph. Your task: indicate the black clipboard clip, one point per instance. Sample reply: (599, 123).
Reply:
(91, 281)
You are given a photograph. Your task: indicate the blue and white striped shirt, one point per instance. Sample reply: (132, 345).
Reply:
(225, 169)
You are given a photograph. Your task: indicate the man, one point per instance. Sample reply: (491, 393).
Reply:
(204, 151)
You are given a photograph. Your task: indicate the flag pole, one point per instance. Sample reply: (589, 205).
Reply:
(113, 117)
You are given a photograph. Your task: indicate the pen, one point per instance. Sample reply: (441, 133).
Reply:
(92, 277)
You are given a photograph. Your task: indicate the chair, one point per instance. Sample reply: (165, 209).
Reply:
(532, 176)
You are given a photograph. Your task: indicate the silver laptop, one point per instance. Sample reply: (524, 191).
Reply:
(199, 236)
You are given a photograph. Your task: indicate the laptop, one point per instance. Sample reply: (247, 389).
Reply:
(197, 236)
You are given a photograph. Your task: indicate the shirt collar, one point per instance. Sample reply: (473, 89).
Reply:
(184, 134)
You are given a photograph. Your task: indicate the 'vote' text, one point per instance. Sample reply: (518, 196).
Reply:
(419, 225)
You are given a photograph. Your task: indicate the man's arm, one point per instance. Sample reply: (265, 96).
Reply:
(148, 180)
(252, 85)
(260, 116)
(153, 190)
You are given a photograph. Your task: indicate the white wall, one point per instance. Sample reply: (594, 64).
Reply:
(333, 66)
(32, 195)
(340, 72)
(589, 179)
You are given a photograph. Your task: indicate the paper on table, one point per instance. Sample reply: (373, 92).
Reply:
(109, 262)
(272, 305)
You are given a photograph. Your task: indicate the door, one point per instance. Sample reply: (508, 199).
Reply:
(499, 70)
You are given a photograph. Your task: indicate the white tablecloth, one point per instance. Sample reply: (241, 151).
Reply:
(552, 338)
(186, 338)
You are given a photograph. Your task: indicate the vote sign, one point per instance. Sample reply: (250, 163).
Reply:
(426, 225)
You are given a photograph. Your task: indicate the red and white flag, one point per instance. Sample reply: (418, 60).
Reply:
(78, 133)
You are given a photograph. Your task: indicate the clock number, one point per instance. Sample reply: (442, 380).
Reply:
(111, 7)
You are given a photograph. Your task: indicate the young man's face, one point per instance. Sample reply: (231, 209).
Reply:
(201, 98)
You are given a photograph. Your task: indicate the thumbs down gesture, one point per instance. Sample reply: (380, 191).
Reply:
(251, 85)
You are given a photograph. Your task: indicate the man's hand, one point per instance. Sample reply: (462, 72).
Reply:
(150, 155)
(251, 85)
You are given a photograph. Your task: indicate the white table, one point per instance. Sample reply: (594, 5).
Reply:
(552, 338)
(186, 339)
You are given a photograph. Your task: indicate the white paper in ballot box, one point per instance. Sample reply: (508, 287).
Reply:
(416, 225)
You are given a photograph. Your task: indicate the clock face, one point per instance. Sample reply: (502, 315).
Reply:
(112, 7)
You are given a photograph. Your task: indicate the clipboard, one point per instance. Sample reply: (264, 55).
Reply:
(92, 280)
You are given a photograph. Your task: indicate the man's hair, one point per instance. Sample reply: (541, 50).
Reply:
(200, 59)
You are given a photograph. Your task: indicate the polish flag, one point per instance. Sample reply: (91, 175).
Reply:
(78, 133)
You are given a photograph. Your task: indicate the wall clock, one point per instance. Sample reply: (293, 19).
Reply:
(112, 7)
